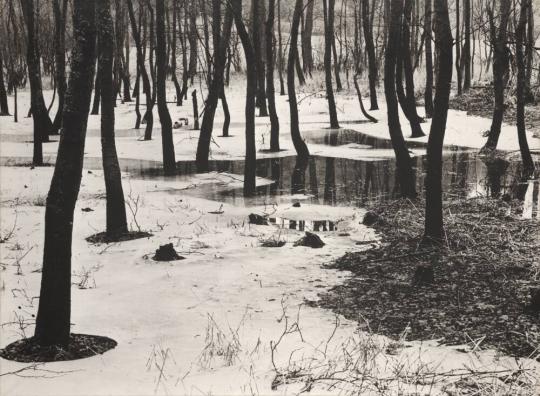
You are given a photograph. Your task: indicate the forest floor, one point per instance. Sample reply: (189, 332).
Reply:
(234, 316)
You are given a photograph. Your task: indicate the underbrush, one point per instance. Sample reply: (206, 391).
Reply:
(482, 278)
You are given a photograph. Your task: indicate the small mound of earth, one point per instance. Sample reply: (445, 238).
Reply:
(80, 346)
(103, 237)
(167, 253)
(310, 240)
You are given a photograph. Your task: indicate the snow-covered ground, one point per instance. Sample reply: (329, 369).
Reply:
(230, 316)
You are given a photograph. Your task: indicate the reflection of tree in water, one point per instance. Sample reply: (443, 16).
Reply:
(496, 169)
(298, 179)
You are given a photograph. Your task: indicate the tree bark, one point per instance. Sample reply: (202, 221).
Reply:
(251, 91)
(428, 93)
(148, 117)
(60, 14)
(328, 8)
(528, 164)
(307, 33)
(466, 56)
(4, 108)
(257, 27)
(54, 312)
(270, 90)
(404, 175)
(299, 144)
(434, 230)
(169, 162)
(370, 50)
(116, 210)
(500, 66)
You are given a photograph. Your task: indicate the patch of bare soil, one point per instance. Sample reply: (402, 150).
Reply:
(479, 101)
(475, 290)
(80, 346)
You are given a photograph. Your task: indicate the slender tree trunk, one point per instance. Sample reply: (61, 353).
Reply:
(193, 39)
(528, 164)
(216, 88)
(428, 93)
(529, 55)
(97, 95)
(167, 144)
(280, 51)
(328, 9)
(257, 28)
(434, 230)
(195, 110)
(370, 50)
(4, 109)
(41, 120)
(173, 55)
(148, 117)
(330, 15)
(251, 91)
(500, 66)
(270, 90)
(116, 210)
(466, 56)
(299, 144)
(458, 49)
(54, 312)
(60, 14)
(307, 33)
(226, 114)
(405, 174)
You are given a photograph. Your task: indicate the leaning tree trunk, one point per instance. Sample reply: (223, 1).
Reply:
(299, 144)
(428, 93)
(404, 175)
(328, 34)
(148, 117)
(251, 91)
(528, 164)
(169, 162)
(434, 231)
(270, 89)
(54, 312)
(500, 65)
(370, 49)
(116, 210)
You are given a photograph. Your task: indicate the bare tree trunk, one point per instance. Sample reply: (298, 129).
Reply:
(193, 39)
(148, 117)
(528, 164)
(370, 50)
(428, 93)
(500, 66)
(280, 51)
(307, 33)
(328, 9)
(458, 49)
(4, 109)
(173, 55)
(169, 162)
(54, 312)
(466, 57)
(330, 15)
(116, 210)
(270, 90)
(405, 175)
(299, 144)
(434, 230)
(258, 27)
(251, 91)
(60, 14)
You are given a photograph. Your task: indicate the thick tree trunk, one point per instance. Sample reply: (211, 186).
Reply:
(148, 117)
(500, 66)
(405, 175)
(251, 91)
(428, 93)
(270, 90)
(528, 164)
(434, 231)
(167, 144)
(299, 144)
(116, 210)
(370, 50)
(54, 312)
(328, 8)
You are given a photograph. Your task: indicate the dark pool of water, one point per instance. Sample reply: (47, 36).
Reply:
(347, 182)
